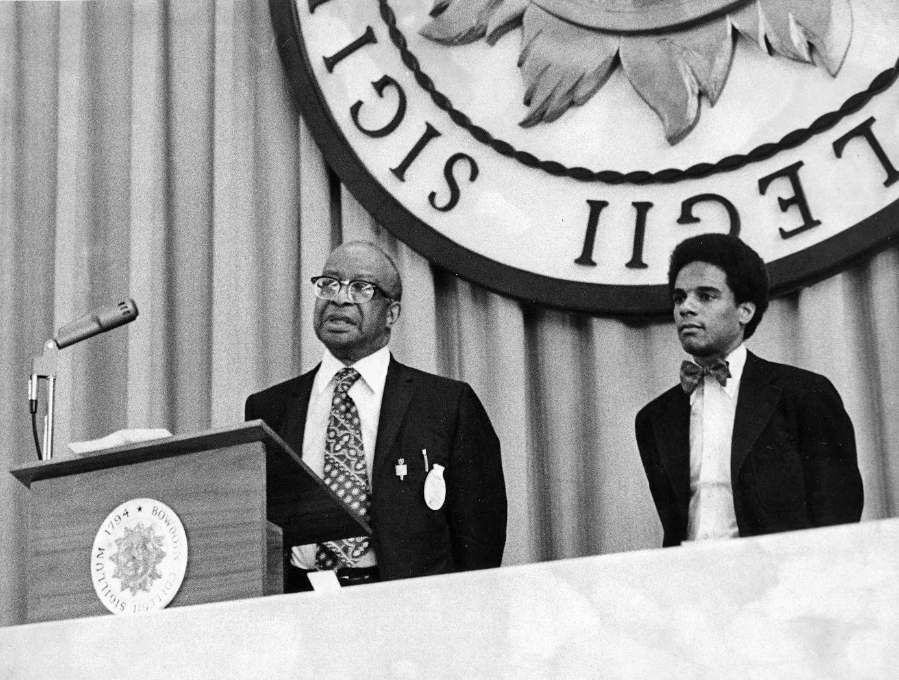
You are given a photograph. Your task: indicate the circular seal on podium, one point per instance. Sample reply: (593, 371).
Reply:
(139, 557)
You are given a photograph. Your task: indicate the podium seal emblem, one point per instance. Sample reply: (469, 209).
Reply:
(139, 557)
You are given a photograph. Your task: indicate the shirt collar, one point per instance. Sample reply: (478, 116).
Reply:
(372, 368)
(736, 361)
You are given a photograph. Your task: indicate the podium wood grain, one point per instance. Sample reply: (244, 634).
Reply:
(219, 496)
(238, 491)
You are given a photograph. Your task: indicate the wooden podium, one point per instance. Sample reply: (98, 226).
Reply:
(239, 492)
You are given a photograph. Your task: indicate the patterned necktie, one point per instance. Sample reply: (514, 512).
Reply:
(691, 374)
(345, 471)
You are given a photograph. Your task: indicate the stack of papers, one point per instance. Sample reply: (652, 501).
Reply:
(120, 438)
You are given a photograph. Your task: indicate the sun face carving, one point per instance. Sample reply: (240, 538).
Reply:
(671, 51)
(138, 557)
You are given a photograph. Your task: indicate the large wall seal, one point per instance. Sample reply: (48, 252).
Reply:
(557, 150)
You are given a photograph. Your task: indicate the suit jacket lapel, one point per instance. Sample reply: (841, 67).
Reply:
(398, 391)
(674, 444)
(293, 429)
(756, 402)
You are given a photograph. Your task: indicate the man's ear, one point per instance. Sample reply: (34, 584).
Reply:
(393, 313)
(747, 311)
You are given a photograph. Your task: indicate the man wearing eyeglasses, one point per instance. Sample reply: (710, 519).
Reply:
(414, 454)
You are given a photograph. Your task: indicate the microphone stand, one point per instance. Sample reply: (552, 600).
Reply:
(43, 367)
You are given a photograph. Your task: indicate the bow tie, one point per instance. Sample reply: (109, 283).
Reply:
(691, 374)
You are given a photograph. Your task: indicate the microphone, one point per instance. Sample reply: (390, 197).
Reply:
(43, 366)
(96, 322)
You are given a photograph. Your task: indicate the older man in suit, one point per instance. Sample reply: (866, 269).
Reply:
(412, 453)
(742, 446)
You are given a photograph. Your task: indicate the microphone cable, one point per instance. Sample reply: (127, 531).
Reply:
(32, 406)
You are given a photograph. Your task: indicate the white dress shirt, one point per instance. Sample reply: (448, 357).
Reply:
(367, 392)
(712, 411)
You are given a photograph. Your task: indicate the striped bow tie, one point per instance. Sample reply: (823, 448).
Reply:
(691, 374)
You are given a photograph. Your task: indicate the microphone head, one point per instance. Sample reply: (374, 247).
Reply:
(96, 322)
(117, 315)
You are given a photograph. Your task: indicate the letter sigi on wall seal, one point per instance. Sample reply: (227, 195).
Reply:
(558, 150)
(139, 557)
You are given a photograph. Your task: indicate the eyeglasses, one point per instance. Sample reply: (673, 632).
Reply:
(328, 288)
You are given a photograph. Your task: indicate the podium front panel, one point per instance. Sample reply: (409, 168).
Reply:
(218, 494)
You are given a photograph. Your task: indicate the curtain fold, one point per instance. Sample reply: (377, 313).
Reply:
(152, 149)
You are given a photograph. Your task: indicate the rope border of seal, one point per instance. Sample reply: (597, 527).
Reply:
(791, 140)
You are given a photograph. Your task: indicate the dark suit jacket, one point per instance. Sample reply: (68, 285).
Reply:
(418, 411)
(793, 460)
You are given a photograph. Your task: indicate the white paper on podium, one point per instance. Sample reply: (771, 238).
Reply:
(120, 438)
(324, 581)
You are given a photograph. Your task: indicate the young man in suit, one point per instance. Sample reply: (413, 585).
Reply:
(742, 446)
(376, 430)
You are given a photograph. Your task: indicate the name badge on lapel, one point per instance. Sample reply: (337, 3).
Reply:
(435, 488)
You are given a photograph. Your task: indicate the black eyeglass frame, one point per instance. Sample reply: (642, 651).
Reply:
(349, 282)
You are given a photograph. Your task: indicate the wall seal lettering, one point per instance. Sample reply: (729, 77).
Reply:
(547, 151)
